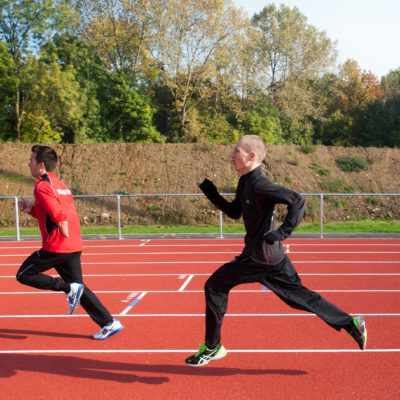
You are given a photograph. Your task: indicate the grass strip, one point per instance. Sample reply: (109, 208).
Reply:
(364, 226)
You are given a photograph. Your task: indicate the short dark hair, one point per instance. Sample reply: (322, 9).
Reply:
(46, 155)
(254, 143)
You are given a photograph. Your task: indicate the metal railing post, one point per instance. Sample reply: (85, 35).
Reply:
(17, 218)
(220, 225)
(119, 216)
(321, 222)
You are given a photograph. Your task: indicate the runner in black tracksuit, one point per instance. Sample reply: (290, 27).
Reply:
(262, 259)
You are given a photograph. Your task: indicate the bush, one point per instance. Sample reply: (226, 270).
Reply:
(308, 148)
(352, 164)
(333, 185)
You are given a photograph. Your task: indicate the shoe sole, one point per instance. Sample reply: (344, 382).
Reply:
(364, 329)
(365, 339)
(77, 300)
(218, 357)
(112, 333)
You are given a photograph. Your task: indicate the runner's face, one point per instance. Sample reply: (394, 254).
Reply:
(36, 168)
(241, 159)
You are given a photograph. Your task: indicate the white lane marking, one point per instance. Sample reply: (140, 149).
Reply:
(222, 244)
(85, 254)
(202, 291)
(182, 276)
(192, 315)
(190, 277)
(134, 302)
(161, 351)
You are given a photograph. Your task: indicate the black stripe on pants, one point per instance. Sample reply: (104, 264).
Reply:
(68, 266)
(282, 279)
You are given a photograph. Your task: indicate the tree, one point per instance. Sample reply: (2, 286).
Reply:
(391, 84)
(190, 34)
(374, 126)
(338, 130)
(346, 99)
(54, 104)
(380, 120)
(264, 121)
(391, 100)
(291, 55)
(288, 48)
(7, 84)
(132, 114)
(80, 59)
(24, 24)
(120, 31)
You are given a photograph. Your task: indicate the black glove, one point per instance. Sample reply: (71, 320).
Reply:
(208, 188)
(273, 236)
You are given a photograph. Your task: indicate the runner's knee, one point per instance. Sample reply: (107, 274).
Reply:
(21, 278)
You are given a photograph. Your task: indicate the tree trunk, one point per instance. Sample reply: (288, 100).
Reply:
(17, 115)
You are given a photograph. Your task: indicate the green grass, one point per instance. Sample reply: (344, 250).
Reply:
(340, 227)
(364, 226)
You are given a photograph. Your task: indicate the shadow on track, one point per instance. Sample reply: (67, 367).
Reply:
(21, 334)
(123, 372)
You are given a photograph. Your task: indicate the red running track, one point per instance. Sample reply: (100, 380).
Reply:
(156, 289)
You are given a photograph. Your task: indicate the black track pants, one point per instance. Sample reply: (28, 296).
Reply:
(68, 266)
(282, 279)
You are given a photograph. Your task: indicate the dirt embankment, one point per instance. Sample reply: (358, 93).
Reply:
(109, 169)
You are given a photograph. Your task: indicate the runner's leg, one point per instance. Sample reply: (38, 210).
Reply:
(283, 280)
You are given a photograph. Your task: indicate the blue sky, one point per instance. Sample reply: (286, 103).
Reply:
(367, 31)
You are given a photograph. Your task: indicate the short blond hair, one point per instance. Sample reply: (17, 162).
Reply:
(254, 143)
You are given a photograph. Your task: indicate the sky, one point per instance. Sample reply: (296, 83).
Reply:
(367, 31)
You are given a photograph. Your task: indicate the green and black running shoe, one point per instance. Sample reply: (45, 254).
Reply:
(204, 355)
(359, 332)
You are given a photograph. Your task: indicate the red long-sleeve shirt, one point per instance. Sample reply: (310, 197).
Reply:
(54, 203)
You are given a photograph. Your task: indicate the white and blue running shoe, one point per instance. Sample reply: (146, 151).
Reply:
(74, 296)
(108, 330)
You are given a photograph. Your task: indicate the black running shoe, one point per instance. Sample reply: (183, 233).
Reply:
(359, 332)
(205, 355)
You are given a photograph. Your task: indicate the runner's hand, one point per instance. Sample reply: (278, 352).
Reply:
(24, 205)
(63, 226)
(273, 236)
(208, 187)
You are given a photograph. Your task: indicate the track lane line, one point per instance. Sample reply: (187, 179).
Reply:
(86, 254)
(181, 289)
(194, 350)
(202, 291)
(208, 274)
(134, 302)
(195, 315)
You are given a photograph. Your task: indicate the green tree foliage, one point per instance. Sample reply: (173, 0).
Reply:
(182, 71)
(7, 85)
(191, 33)
(79, 59)
(121, 32)
(291, 53)
(217, 129)
(380, 121)
(288, 47)
(348, 98)
(24, 24)
(132, 114)
(263, 121)
(54, 103)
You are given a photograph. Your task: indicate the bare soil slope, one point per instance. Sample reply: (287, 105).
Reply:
(109, 169)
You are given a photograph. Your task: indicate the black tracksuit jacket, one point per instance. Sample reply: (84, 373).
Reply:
(255, 201)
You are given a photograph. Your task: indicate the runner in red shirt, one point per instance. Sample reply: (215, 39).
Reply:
(61, 243)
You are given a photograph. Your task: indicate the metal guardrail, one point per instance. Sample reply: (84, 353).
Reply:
(119, 196)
